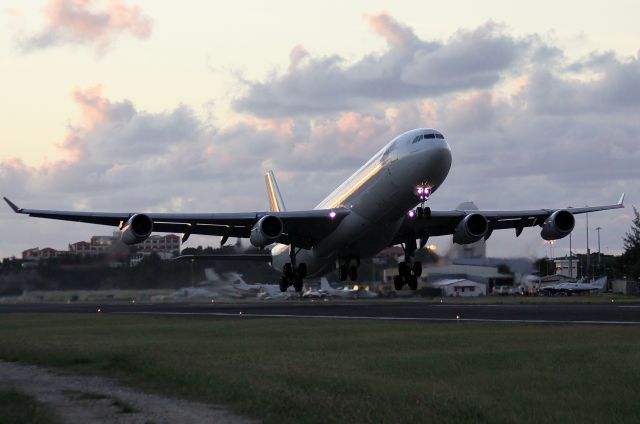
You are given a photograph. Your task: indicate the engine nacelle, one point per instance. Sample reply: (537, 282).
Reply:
(266, 231)
(137, 229)
(471, 229)
(558, 225)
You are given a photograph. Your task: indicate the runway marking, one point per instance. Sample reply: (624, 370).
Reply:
(462, 305)
(347, 317)
(628, 306)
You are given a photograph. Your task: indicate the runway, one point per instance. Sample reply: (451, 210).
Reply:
(595, 314)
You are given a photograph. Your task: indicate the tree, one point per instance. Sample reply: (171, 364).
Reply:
(631, 256)
(632, 237)
(503, 269)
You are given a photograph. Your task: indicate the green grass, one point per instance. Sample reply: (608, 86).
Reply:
(18, 408)
(320, 371)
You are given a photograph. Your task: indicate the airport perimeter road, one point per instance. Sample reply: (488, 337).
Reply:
(628, 314)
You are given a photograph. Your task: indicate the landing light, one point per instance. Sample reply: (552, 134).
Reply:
(332, 214)
(411, 213)
(423, 192)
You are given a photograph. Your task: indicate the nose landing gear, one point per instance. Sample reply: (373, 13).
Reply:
(422, 212)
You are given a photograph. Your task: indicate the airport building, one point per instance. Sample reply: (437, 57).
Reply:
(567, 267)
(166, 247)
(35, 253)
(459, 287)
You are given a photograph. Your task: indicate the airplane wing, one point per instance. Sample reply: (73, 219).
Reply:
(445, 222)
(304, 228)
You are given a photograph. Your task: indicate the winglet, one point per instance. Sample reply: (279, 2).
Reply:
(620, 202)
(13, 206)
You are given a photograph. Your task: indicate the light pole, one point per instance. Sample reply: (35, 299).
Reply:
(588, 252)
(599, 255)
(570, 258)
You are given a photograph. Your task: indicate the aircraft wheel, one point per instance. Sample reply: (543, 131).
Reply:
(302, 270)
(413, 282)
(297, 284)
(287, 271)
(426, 212)
(419, 212)
(403, 269)
(417, 268)
(353, 273)
(398, 282)
(284, 284)
(343, 272)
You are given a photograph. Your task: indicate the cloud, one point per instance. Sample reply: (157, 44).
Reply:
(410, 68)
(550, 132)
(606, 85)
(96, 23)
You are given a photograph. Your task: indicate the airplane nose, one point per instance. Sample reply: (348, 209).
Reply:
(441, 152)
(439, 161)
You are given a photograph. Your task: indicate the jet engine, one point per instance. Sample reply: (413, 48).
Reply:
(558, 225)
(137, 229)
(266, 231)
(471, 229)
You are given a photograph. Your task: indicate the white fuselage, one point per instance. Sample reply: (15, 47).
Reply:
(379, 195)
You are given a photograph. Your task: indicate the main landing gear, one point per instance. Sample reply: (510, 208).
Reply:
(293, 274)
(348, 267)
(409, 270)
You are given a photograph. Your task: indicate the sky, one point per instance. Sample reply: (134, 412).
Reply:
(132, 105)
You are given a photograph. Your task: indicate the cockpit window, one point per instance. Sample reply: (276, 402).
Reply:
(387, 152)
(438, 135)
(430, 135)
(418, 138)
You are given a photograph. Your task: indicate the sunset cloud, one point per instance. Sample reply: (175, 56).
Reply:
(95, 23)
(410, 68)
(529, 126)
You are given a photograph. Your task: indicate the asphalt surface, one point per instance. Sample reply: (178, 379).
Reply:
(599, 314)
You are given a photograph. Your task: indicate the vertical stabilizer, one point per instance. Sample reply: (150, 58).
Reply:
(276, 204)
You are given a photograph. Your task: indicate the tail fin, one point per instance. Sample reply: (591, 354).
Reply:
(324, 285)
(276, 204)
(601, 283)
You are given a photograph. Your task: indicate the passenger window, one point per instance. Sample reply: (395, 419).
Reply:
(429, 136)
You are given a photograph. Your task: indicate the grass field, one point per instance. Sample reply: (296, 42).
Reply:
(319, 371)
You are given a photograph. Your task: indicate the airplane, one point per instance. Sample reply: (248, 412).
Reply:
(232, 285)
(345, 292)
(311, 293)
(573, 288)
(382, 204)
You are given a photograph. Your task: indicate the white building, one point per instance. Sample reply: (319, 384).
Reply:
(459, 287)
(567, 267)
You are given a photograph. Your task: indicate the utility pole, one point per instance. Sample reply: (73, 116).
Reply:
(570, 258)
(599, 254)
(588, 251)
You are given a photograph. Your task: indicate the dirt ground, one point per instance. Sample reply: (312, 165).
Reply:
(93, 400)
